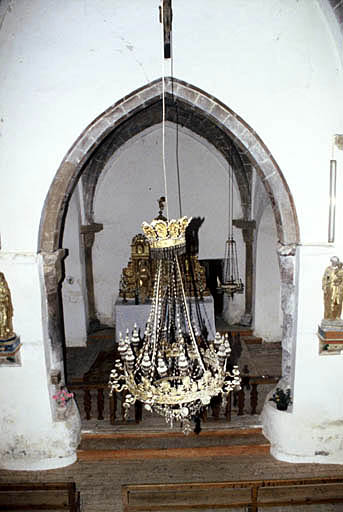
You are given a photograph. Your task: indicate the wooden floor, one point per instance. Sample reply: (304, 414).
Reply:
(100, 482)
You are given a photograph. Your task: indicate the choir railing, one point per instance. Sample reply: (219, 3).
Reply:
(94, 401)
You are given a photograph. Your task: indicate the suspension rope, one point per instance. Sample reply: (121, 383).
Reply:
(231, 177)
(177, 131)
(230, 194)
(164, 118)
(177, 160)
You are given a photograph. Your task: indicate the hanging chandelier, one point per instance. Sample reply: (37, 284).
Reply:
(173, 369)
(231, 283)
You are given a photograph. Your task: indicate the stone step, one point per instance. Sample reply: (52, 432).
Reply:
(171, 445)
(252, 340)
(242, 331)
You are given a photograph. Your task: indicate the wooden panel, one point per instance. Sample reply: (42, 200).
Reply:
(308, 493)
(238, 496)
(43, 496)
(52, 498)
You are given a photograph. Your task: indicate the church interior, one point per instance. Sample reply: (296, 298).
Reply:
(171, 284)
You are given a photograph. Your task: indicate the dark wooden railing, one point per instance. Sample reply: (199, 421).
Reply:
(87, 393)
(101, 390)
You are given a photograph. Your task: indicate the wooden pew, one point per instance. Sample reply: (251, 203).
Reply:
(256, 495)
(39, 496)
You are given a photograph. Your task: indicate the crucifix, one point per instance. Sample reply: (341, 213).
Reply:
(167, 14)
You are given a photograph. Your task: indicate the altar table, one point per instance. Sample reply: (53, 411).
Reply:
(128, 313)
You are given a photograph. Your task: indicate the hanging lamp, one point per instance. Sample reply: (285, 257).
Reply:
(231, 282)
(173, 369)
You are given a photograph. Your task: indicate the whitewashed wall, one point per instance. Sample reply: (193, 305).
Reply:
(127, 195)
(74, 294)
(30, 438)
(268, 319)
(275, 64)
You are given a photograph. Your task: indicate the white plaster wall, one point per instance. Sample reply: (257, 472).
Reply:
(127, 194)
(268, 320)
(313, 429)
(274, 63)
(73, 287)
(29, 436)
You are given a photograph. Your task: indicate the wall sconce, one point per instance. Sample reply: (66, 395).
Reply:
(338, 142)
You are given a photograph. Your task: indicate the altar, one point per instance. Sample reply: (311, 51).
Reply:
(136, 286)
(128, 313)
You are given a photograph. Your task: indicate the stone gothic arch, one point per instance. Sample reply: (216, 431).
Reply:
(113, 128)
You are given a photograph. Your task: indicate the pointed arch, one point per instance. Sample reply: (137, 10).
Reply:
(229, 122)
(206, 116)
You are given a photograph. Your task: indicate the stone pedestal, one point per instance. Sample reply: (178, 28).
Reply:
(330, 334)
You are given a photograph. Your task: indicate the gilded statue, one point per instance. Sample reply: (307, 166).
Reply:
(332, 285)
(6, 310)
(144, 280)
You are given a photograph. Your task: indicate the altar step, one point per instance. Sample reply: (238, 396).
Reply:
(252, 340)
(172, 445)
(246, 334)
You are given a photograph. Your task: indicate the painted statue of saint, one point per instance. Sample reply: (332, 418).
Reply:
(6, 310)
(332, 285)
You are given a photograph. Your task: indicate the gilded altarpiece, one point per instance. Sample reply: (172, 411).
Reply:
(137, 279)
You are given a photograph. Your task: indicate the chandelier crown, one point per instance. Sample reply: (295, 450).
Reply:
(163, 234)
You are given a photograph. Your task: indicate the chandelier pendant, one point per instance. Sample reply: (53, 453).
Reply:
(231, 282)
(174, 370)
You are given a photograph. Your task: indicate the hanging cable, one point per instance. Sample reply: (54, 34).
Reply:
(230, 194)
(177, 132)
(164, 119)
(177, 160)
(231, 176)
(177, 120)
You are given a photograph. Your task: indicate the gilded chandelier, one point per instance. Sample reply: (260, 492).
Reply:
(173, 370)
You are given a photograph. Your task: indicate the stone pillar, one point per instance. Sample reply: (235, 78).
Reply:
(287, 262)
(88, 235)
(53, 276)
(248, 227)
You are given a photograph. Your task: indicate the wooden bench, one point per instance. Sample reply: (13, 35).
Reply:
(38, 496)
(255, 495)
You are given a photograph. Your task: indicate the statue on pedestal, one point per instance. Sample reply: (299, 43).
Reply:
(6, 310)
(332, 285)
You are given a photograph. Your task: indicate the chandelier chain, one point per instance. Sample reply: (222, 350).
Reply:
(155, 333)
(191, 330)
